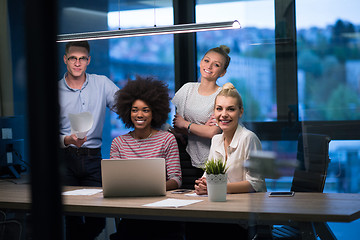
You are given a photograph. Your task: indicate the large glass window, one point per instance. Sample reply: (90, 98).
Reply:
(252, 52)
(328, 59)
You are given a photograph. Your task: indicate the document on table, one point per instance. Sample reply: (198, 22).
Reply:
(172, 202)
(82, 192)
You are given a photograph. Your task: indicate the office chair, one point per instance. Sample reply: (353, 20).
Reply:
(188, 172)
(309, 176)
(9, 229)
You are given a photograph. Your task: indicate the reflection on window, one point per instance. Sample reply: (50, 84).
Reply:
(284, 150)
(328, 59)
(140, 18)
(342, 174)
(344, 168)
(252, 52)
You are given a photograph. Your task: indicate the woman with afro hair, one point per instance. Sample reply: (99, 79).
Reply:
(143, 104)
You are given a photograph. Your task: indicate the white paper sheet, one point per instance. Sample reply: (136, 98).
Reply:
(81, 123)
(83, 192)
(172, 202)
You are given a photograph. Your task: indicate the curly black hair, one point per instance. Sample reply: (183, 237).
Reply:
(153, 92)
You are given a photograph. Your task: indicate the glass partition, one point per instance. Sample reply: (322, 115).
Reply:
(326, 83)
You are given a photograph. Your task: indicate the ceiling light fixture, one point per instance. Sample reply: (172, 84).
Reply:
(173, 29)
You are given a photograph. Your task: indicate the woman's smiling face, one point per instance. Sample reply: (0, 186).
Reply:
(141, 115)
(212, 66)
(227, 113)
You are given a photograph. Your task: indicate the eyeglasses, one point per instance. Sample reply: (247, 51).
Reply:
(82, 60)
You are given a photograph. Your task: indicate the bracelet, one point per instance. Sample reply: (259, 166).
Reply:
(189, 127)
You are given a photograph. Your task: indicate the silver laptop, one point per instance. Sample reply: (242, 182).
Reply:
(133, 177)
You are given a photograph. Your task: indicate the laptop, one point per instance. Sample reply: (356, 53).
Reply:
(133, 177)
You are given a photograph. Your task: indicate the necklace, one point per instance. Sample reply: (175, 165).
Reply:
(141, 139)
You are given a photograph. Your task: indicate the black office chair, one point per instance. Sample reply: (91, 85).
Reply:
(188, 172)
(309, 176)
(9, 229)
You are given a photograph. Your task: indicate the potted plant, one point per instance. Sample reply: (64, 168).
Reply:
(216, 178)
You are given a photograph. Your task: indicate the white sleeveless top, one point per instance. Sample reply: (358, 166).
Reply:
(197, 109)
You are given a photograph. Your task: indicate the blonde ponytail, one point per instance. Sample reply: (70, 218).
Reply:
(225, 48)
(228, 86)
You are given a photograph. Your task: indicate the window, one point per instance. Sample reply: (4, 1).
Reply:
(252, 52)
(328, 60)
(146, 56)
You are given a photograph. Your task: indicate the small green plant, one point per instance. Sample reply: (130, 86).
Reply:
(215, 166)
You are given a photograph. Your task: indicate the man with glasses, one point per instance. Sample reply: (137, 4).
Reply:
(83, 92)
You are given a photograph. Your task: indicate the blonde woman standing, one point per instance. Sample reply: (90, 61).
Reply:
(195, 105)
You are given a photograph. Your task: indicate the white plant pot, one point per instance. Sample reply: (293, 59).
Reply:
(217, 187)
